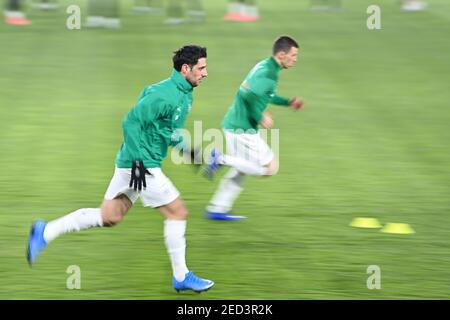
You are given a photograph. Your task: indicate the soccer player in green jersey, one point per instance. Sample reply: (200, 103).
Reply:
(247, 152)
(149, 128)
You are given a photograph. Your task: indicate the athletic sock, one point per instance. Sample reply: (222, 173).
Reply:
(75, 221)
(174, 236)
(229, 189)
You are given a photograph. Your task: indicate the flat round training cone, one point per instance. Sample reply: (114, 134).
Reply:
(398, 228)
(370, 223)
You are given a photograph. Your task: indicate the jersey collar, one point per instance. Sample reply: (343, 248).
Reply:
(274, 63)
(180, 81)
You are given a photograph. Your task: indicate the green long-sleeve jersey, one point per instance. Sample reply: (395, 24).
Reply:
(255, 93)
(153, 124)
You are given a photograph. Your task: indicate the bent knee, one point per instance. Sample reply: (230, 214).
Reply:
(271, 169)
(110, 216)
(113, 211)
(180, 213)
(110, 220)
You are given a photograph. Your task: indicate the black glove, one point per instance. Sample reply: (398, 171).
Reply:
(138, 172)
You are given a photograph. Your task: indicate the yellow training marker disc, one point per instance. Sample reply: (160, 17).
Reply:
(371, 223)
(399, 228)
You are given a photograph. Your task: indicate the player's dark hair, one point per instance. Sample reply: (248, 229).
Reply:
(188, 55)
(283, 43)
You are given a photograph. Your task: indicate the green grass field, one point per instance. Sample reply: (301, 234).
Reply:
(373, 141)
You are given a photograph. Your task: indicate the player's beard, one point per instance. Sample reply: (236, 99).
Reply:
(193, 84)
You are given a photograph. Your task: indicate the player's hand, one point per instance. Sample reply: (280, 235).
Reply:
(296, 104)
(266, 121)
(138, 172)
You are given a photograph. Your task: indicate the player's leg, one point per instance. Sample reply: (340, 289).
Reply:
(249, 168)
(175, 214)
(229, 189)
(230, 186)
(42, 233)
(271, 168)
(242, 165)
(248, 154)
(163, 195)
(109, 214)
(118, 200)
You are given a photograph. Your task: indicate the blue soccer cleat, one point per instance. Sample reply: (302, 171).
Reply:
(36, 242)
(222, 216)
(213, 165)
(192, 282)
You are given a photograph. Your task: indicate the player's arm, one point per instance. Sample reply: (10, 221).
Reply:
(179, 143)
(133, 123)
(266, 121)
(145, 111)
(295, 103)
(279, 100)
(132, 136)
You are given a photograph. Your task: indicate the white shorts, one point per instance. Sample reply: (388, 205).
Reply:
(160, 190)
(250, 147)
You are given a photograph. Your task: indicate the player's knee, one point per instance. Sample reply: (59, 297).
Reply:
(181, 213)
(111, 220)
(112, 214)
(272, 169)
(176, 210)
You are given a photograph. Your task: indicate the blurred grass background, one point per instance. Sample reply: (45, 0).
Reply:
(373, 141)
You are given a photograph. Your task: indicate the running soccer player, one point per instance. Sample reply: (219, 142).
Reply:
(149, 128)
(247, 152)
